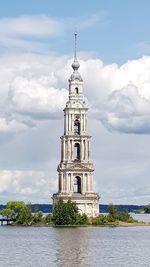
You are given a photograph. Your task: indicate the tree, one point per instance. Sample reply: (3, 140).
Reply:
(22, 212)
(65, 213)
(7, 213)
(147, 208)
(25, 216)
(112, 216)
(37, 217)
(123, 216)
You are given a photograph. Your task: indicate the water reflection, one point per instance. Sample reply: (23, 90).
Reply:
(72, 247)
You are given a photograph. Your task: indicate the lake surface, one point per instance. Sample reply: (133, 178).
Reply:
(74, 247)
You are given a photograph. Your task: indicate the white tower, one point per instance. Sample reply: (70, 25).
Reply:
(75, 171)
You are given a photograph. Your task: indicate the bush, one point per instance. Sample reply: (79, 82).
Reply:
(37, 217)
(66, 213)
(100, 220)
(48, 219)
(131, 220)
(81, 219)
(115, 215)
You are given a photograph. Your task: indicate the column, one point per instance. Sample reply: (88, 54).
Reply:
(72, 124)
(88, 178)
(71, 152)
(82, 151)
(82, 122)
(84, 183)
(69, 123)
(61, 181)
(64, 182)
(64, 149)
(68, 182)
(91, 182)
(71, 183)
(66, 124)
(89, 150)
(61, 149)
(84, 148)
(86, 123)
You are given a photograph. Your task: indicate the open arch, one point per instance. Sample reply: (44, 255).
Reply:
(77, 185)
(76, 127)
(76, 151)
(76, 90)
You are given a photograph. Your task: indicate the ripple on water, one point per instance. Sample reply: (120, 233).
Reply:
(65, 247)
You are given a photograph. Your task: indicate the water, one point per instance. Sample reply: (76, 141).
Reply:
(74, 247)
(141, 217)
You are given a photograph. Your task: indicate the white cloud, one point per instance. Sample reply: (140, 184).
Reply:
(120, 96)
(26, 185)
(22, 31)
(35, 87)
(32, 90)
(127, 111)
(36, 96)
(12, 126)
(37, 25)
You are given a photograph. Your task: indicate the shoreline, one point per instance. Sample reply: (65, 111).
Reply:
(116, 224)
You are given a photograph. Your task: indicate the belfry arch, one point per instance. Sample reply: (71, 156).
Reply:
(76, 151)
(76, 127)
(77, 184)
(76, 90)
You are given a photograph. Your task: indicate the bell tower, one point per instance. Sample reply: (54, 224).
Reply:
(75, 171)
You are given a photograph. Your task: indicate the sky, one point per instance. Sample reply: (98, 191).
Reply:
(36, 53)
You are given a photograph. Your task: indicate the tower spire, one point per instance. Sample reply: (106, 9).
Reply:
(75, 65)
(75, 46)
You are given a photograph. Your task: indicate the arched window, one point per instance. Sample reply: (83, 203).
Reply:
(76, 127)
(77, 185)
(76, 151)
(76, 90)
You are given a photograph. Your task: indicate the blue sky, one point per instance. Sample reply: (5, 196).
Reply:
(36, 50)
(117, 30)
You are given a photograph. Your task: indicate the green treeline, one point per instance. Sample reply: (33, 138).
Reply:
(21, 214)
(64, 213)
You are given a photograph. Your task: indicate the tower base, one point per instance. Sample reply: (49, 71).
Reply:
(87, 203)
